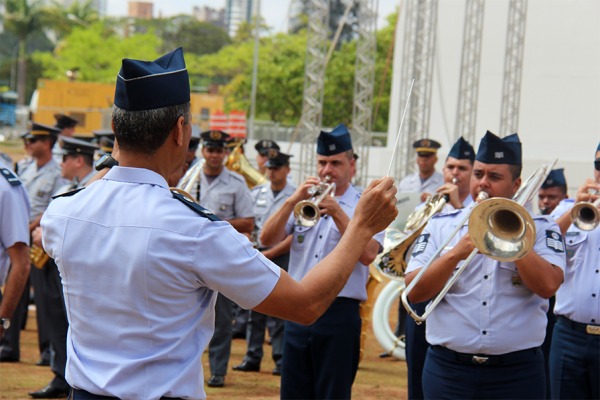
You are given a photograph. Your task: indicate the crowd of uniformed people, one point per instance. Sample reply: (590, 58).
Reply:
(172, 273)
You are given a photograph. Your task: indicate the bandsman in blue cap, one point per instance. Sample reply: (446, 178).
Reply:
(575, 347)
(267, 199)
(552, 191)
(485, 335)
(159, 258)
(330, 348)
(457, 177)
(426, 180)
(42, 179)
(263, 149)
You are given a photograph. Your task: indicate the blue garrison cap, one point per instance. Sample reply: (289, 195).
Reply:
(598, 148)
(496, 150)
(277, 159)
(147, 85)
(335, 142)
(214, 138)
(556, 177)
(462, 150)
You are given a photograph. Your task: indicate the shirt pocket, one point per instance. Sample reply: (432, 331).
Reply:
(510, 280)
(575, 248)
(226, 201)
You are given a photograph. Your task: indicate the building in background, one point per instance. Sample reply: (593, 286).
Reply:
(237, 12)
(140, 9)
(210, 15)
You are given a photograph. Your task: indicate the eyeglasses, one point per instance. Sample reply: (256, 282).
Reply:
(597, 164)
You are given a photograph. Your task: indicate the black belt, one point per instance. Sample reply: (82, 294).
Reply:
(485, 359)
(578, 326)
(80, 394)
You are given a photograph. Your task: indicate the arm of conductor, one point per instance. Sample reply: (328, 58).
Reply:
(308, 299)
(17, 277)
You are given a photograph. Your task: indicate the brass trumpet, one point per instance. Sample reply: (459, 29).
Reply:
(586, 215)
(306, 212)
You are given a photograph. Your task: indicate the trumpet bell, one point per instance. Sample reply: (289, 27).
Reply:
(502, 229)
(307, 213)
(585, 215)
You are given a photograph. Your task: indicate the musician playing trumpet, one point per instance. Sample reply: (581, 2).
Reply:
(485, 334)
(330, 347)
(575, 347)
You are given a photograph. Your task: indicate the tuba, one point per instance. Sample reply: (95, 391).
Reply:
(237, 162)
(306, 212)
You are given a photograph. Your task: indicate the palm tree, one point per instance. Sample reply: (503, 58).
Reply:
(22, 18)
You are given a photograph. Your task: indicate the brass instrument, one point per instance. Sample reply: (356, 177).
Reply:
(306, 212)
(38, 256)
(237, 162)
(190, 180)
(500, 228)
(586, 215)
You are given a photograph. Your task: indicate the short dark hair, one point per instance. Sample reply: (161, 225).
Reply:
(515, 170)
(145, 131)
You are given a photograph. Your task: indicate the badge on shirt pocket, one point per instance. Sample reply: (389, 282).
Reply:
(300, 238)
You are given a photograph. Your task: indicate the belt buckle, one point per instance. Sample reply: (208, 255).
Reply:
(592, 329)
(479, 360)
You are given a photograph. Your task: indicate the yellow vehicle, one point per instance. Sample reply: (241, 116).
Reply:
(90, 103)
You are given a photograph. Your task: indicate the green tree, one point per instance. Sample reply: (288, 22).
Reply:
(23, 18)
(96, 52)
(63, 19)
(196, 37)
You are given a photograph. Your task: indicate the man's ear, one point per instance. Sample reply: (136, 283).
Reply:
(178, 133)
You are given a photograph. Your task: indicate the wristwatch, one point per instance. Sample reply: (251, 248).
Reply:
(106, 161)
(5, 323)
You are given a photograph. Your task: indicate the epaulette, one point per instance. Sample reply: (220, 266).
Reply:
(10, 177)
(68, 193)
(197, 208)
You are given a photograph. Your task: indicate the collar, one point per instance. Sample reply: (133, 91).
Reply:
(135, 175)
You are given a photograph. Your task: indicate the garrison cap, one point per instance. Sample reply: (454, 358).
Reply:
(496, 150)
(147, 85)
(277, 159)
(214, 138)
(263, 146)
(75, 146)
(64, 121)
(40, 130)
(462, 150)
(598, 148)
(335, 142)
(556, 177)
(195, 139)
(426, 146)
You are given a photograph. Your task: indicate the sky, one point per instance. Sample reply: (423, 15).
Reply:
(273, 11)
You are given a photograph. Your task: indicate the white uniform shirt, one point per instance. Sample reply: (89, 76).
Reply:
(488, 310)
(14, 217)
(412, 183)
(41, 184)
(578, 298)
(265, 204)
(227, 196)
(140, 271)
(312, 244)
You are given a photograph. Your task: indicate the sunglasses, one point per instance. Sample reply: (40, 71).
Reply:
(30, 140)
(597, 164)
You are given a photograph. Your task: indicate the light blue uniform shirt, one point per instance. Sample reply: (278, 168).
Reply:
(488, 310)
(412, 183)
(578, 298)
(140, 271)
(265, 204)
(312, 244)
(227, 196)
(41, 184)
(14, 218)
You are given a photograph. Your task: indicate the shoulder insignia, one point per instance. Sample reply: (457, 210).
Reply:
(68, 193)
(554, 241)
(420, 244)
(197, 208)
(10, 177)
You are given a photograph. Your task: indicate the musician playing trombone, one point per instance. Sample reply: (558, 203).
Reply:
(575, 347)
(485, 334)
(320, 360)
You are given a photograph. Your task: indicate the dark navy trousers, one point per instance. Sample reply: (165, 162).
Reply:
(320, 360)
(416, 350)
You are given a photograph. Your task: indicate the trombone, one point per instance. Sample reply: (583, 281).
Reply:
(306, 212)
(500, 228)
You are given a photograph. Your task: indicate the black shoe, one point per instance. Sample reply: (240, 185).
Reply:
(50, 392)
(216, 381)
(239, 335)
(247, 366)
(385, 355)
(7, 358)
(43, 362)
(277, 370)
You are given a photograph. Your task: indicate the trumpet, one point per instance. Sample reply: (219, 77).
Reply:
(586, 215)
(500, 228)
(306, 212)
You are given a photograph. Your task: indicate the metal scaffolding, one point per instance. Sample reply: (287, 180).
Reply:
(364, 78)
(466, 111)
(513, 67)
(312, 106)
